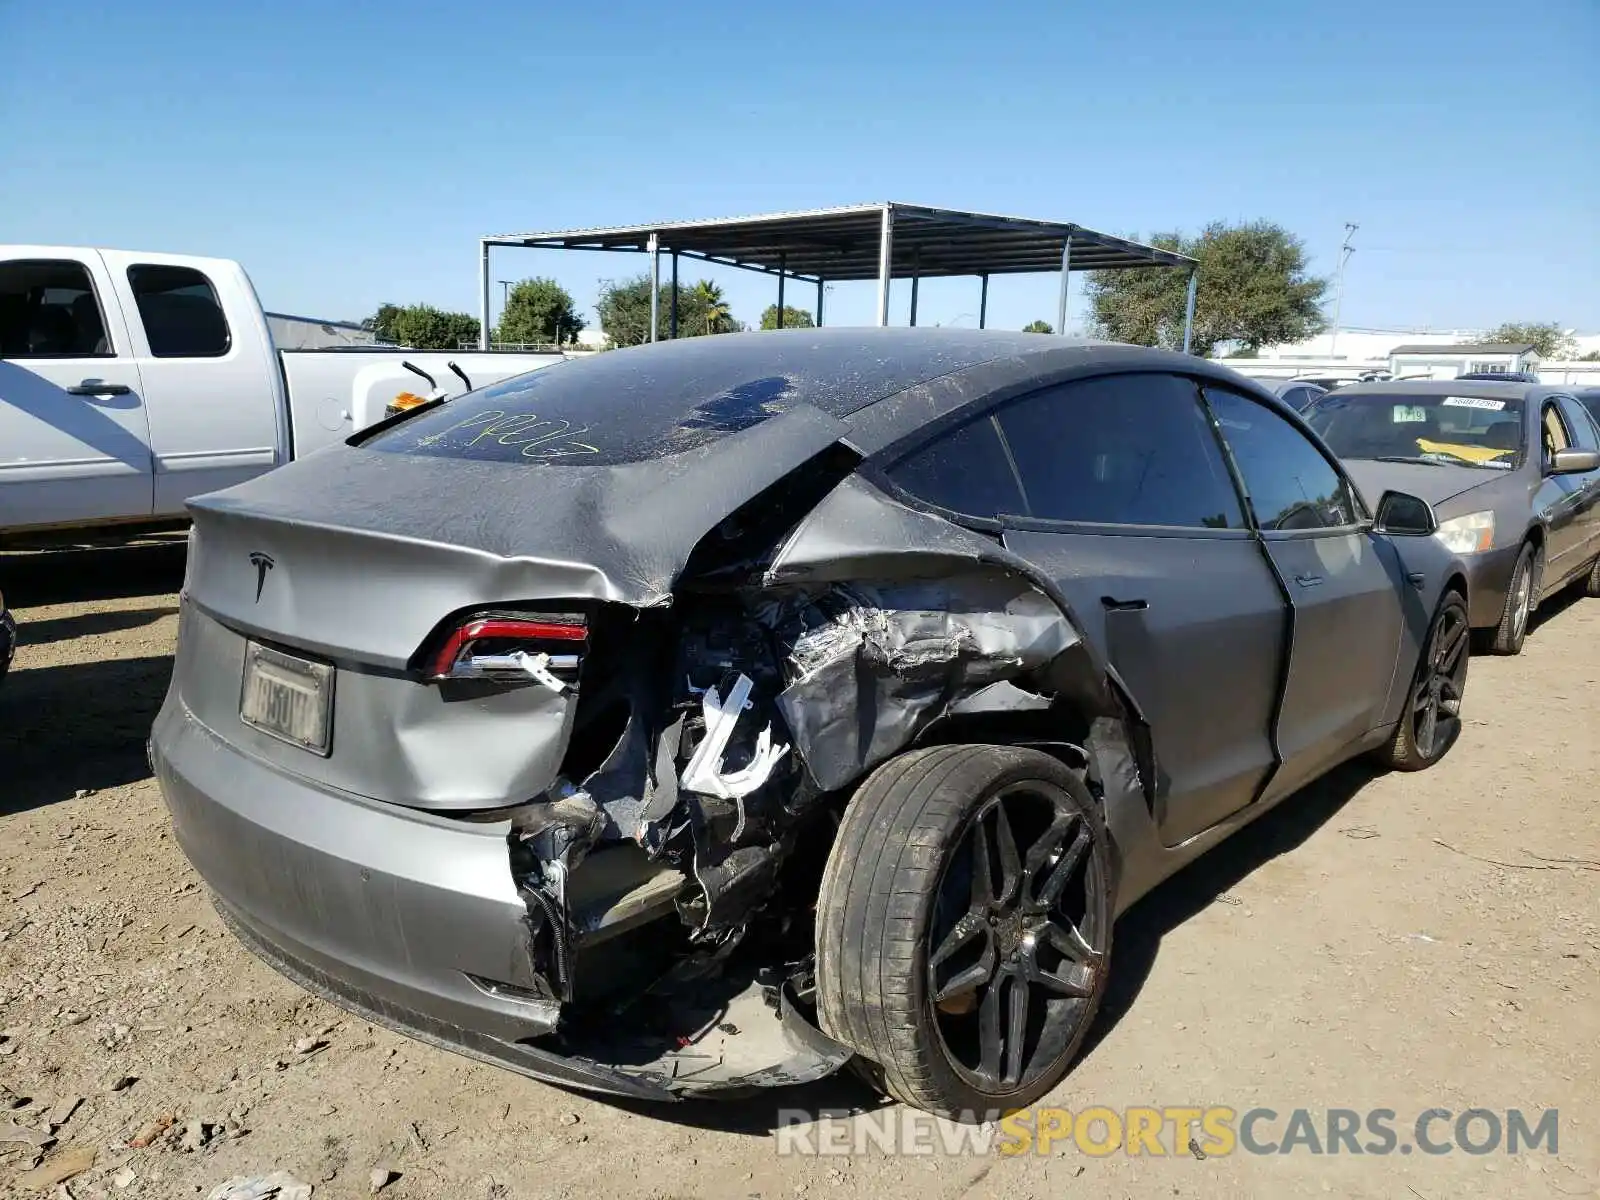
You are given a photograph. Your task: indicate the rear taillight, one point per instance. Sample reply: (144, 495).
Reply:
(543, 649)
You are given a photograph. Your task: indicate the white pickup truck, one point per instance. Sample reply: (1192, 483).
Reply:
(130, 382)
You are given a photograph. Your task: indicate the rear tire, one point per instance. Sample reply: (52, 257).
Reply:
(1430, 722)
(1522, 597)
(969, 894)
(1591, 585)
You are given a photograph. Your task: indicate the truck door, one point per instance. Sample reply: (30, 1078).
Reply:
(210, 372)
(74, 435)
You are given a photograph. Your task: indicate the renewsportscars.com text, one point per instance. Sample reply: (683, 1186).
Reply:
(1195, 1131)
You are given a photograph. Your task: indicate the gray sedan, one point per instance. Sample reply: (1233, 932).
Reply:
(708, 714)
(1513, 473)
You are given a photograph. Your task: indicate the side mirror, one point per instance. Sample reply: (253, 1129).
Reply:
(1403, 515)
(1573, 462)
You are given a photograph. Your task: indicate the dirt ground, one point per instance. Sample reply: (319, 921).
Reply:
(1353, 949)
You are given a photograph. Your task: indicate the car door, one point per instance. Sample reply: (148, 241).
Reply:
(1130, 509)
(1560, 503)
(1586, 436)
(74, 439)
(1344, 584)
(212, 395)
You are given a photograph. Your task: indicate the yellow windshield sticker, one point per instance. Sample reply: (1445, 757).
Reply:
(1477, 454)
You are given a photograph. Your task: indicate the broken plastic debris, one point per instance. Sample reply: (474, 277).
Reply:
(280, 1185)
(704, 772)
(535, 666)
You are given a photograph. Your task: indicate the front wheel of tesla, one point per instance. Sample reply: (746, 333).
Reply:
(1430, 722)
(964, 926)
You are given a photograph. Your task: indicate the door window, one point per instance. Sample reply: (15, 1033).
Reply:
(1292, 485)
(1586, 434)
(1555, 433)
(1131, 449)
(48, 309)
(180, 311)
(965, 471)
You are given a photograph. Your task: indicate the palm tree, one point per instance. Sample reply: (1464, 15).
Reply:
(708, 296)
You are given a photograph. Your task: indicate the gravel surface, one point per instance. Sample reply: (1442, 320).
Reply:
(1354, 949)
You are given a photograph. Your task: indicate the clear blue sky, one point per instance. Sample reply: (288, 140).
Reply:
(353, 153)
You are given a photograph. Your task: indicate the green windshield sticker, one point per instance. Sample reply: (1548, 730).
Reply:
(1410, 414)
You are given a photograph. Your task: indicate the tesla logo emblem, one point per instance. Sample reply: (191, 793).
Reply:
(262, 563)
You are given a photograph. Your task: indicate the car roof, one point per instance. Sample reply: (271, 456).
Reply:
(886, 384)
(1488, 389)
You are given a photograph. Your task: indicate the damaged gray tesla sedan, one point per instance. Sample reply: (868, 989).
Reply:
(711, 714)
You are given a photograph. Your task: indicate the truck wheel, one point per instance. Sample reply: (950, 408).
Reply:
(964, 926)
(1431, 720)
(1522, 597)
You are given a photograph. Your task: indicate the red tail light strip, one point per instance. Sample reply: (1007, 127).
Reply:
(502, 628)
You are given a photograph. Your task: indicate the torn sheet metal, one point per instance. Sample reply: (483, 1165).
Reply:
(871, 666)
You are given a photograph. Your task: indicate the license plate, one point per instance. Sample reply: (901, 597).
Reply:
(288, 697)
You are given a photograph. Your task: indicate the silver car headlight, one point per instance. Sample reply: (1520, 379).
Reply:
(1471, 534)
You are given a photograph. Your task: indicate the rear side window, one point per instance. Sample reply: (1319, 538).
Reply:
(48, 309)
(1121, 450)
(181, 314)
(965, 471)
(1291, 484)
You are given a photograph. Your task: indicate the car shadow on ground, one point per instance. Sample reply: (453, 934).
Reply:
(89, 624)
(148, 568)
(78, 726)
(1553, 608)
(1139, 934)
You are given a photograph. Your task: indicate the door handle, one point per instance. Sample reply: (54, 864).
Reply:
(1112, 604)
(1307, 580)
(93, 387)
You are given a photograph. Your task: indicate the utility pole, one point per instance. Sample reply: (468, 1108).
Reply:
(1345, 251)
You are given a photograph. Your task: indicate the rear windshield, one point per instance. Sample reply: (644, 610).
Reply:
(1470, 431)
(626, 406)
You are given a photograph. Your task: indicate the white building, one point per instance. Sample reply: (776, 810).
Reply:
(1422, 360)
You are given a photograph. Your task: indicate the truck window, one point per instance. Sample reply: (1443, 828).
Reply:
(48, 309)
(181, 313)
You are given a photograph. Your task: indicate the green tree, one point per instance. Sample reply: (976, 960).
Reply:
(1548, 338)
(712, 309)
(793, 318)
(624, 310)
(538, 310)
(1038, 327)
(422, 326)
(1254, 290)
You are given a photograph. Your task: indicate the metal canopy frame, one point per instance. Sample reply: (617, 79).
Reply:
(856, 243)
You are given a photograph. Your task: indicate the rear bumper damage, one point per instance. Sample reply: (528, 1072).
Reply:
(415, 923)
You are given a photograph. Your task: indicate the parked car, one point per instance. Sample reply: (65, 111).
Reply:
(1589, 397)
(708, 714)
(8, 637)
(1513, 473)
(1501, 376)
(130, 382)
(1296, 393)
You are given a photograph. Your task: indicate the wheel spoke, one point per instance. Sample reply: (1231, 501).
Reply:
(991, 1039)
(968, 979)
(1070, 943)
(982, 876)
(1451, 647)
(1049, 892)
(1077, 982)
(1016, 1029)
(1427, 728)
(1010, 861)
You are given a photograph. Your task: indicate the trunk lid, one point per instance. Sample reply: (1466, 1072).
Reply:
(356, 558)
